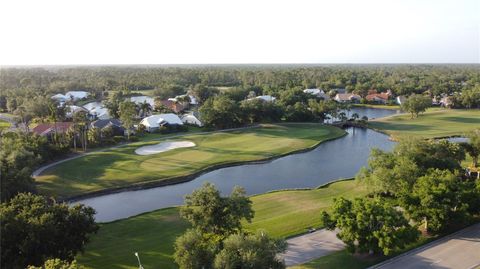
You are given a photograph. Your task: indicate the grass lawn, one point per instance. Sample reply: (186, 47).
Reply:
(433, 123)
(281, 214)
(122, 167)
(4, 125)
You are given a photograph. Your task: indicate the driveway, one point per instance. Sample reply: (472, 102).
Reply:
(460, 250)
(307, 247)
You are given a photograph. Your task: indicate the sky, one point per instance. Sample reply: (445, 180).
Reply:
(71, 32)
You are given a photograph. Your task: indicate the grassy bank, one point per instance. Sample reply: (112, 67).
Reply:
(433, 123)
(121, 167)
(4, 125)
(282, 214)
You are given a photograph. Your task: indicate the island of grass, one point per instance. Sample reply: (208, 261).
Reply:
(434, 123)
(121, 167)
(281, 214)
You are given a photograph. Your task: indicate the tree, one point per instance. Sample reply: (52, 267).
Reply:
(250, 251)
(416, 104)
(16, 162)
(370, 225)
(113, 103)
(220, 112)
(204, 93)
(58, 264)
(127, 111)
(440, 199)
(473, 146)
(194, 250)
(389, 173)
(34, 229)
(208, 212)
(145, 108)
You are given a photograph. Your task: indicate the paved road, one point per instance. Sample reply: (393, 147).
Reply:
(460, 250)
(307, 247)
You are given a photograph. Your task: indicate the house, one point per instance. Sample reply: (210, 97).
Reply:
(193, 100)
(318, 93)
(115, 124)
(154, 122)
(400, 99)
(347, 98)
(142, 99)
(70, 96)
(48, 129)
(70, 111)
(447, 101)
(173, 105)
(380, 98)
(340, 90)
(191, 119)
(266, 98)
(97, 110)
(76, 95)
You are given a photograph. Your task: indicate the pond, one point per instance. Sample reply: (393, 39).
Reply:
(336, 159)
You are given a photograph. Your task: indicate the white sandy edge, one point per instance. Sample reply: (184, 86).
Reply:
(162, 147)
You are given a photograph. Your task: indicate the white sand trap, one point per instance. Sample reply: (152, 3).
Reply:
(164, 146)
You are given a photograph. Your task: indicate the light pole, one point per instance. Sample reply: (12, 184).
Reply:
(139, 263)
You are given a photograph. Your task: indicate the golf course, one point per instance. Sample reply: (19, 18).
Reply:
(434, 123)
(122, 167)
(281, 214)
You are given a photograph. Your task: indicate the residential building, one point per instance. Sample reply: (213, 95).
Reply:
(154, 122)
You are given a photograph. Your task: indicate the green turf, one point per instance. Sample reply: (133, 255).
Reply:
(122, 167)
(339, 259)
(281, 214)
(433, 123)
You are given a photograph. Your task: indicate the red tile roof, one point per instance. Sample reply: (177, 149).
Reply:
(47, 128)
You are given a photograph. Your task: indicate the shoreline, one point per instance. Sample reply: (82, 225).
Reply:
(186, 178)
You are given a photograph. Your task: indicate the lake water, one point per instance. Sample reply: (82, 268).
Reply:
(336, 159)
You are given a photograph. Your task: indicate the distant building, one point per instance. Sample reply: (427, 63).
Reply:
(48, 129)
(154, 122)
(70, 96)
(318, 93)
(266, 98)
(191, 119)
(193, 100)
(176, 107)
(70, 111)
(97, 110)
(347, 98)
(142, 99)
(447, 101)
(380, 98)
(115, 124)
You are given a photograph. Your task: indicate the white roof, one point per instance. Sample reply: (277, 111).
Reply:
(70, 110)
(59, 96)
(97, 109)
(189, 118)
(266, 98)
(193, 100)
(314, 91)
(141, 99)
(77, 94)
(155, 120)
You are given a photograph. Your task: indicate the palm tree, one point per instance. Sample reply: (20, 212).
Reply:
(145, 108)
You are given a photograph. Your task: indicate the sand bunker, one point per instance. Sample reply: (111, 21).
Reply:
(162, 147)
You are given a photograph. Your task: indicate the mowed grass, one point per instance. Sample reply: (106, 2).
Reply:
(121, 167)
(434, 123)
(153, 234)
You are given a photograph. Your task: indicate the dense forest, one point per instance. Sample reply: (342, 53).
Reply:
(401, 79)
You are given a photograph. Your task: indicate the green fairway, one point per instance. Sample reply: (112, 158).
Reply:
(339, 259)
(281, 214)
(433, 123)
(122, 167)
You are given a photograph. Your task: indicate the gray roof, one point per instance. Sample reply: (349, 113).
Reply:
(103, 123)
